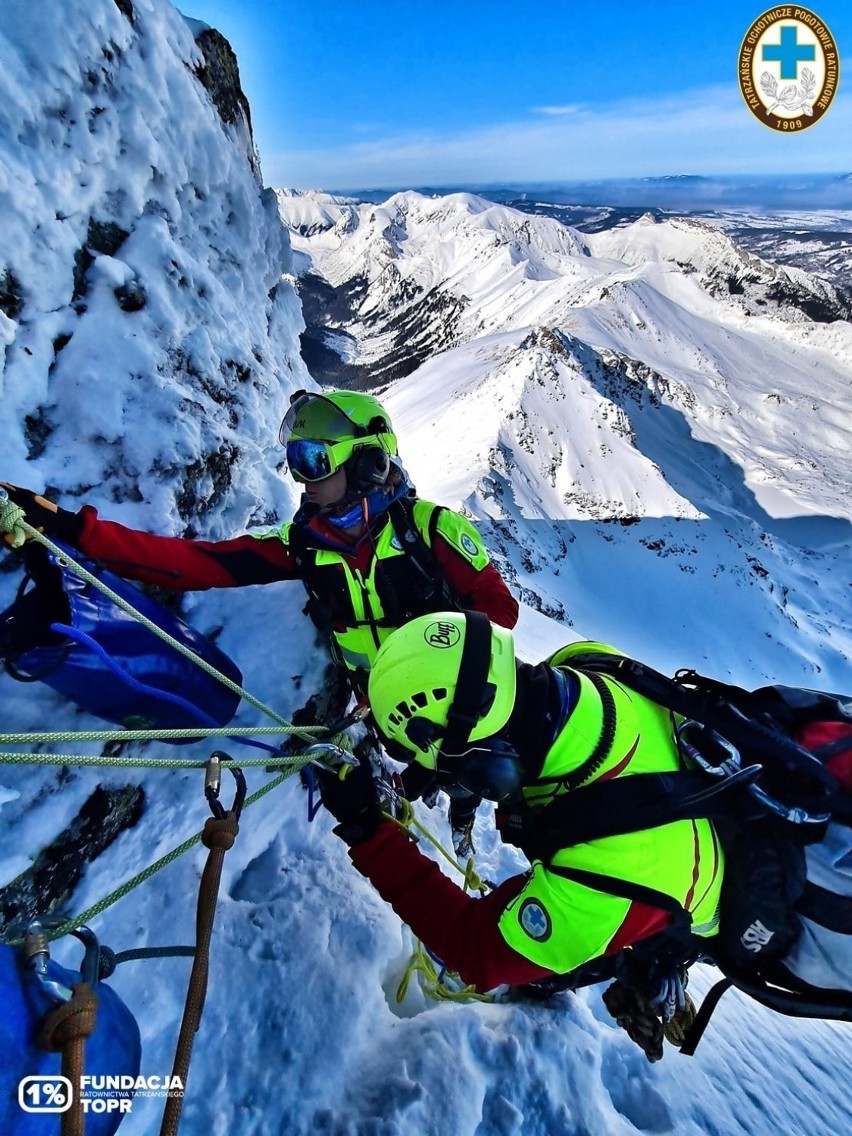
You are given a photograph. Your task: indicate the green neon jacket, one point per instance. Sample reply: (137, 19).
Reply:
(538, 922)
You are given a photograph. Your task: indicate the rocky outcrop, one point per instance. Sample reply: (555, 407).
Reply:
(220, 77)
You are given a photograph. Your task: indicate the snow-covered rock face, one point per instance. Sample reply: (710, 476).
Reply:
(602, 399)
(149, 337)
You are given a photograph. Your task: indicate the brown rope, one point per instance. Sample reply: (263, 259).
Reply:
(218, 836)
(65, 1029)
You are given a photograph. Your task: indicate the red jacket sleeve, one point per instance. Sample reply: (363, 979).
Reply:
(463, 932)
(482, 590)
(180, 564)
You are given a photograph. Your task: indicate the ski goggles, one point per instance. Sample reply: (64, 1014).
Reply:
(312, 461)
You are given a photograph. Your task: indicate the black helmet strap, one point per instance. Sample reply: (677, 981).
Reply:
(466, 709)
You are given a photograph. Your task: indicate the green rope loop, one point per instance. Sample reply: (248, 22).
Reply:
(12, 520)
(434, 984)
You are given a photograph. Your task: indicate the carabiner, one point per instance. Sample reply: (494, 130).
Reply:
(213, 783)
(339, 756)
(37, 953)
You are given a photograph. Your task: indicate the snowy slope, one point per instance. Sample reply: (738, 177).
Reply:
(165, 413)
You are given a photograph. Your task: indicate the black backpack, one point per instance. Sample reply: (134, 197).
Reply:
(769, 797)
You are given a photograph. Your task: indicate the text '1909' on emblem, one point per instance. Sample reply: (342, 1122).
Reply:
(789, 68)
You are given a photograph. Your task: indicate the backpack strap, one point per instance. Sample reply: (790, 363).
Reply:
(832, 1005)
(827, 908)
(629, 889)
(418, 550)
(624, 805)
(717, 705)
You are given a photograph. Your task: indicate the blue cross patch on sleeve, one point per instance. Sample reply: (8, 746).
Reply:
(535, 920)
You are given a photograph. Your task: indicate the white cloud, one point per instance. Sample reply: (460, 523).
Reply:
(572, 108)
(706, 131)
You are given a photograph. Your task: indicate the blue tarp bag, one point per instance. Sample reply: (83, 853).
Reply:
(114, 1049)
(65, 632)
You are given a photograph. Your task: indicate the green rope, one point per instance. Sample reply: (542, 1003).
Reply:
(119, 735)
(435, 984)
(408, 820)
(12, 520)
(445, 986)
(295, 760)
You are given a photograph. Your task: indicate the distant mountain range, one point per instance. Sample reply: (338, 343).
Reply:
(675, 191)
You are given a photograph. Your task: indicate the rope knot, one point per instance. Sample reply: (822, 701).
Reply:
(220, 832)
(11, 516)
(69, 1020)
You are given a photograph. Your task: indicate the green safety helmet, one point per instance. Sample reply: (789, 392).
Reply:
(322, 432)
(441, 687)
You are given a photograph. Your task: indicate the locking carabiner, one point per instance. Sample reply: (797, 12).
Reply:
(213, 783)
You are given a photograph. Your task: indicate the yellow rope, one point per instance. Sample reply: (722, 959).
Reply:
(434, 982)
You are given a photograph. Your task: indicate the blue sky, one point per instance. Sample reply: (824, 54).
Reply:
(434, 92)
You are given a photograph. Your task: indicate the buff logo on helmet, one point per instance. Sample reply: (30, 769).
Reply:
(442, 635)
(535, 920)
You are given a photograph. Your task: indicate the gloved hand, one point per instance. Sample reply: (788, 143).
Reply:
(417, 781)
(43, 515)
(352, 799)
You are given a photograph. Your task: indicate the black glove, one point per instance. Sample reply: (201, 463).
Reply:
(417, 781)
(353, 800)
(44, 515)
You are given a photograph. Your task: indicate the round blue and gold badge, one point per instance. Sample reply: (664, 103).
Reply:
(789, 68)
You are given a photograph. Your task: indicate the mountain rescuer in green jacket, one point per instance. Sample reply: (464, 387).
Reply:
(447, 692)
(370, 554)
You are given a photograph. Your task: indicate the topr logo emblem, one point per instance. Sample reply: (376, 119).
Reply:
(442, 635)
(468, 545)
(535, 920)
(789, 68)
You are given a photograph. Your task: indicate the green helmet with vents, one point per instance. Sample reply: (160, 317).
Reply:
(442, 682)
(321, 432)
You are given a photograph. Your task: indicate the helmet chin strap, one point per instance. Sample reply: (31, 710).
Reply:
(490, 767)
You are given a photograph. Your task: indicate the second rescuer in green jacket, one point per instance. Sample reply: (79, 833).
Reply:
(447, 691)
